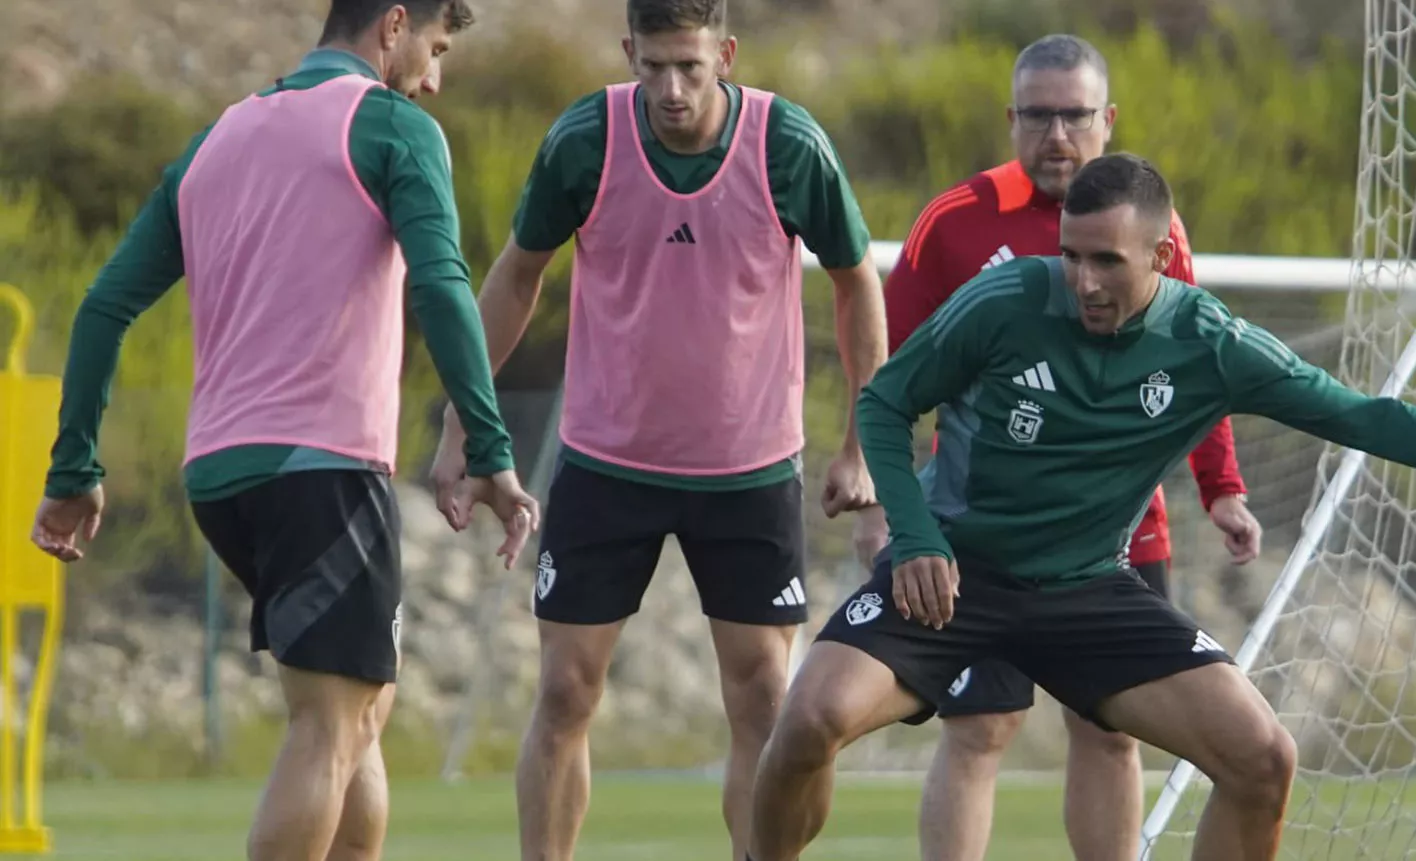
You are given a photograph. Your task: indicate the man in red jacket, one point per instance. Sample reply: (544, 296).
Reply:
(1060, 119)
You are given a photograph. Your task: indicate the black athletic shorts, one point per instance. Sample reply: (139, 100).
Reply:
(1082, 644)
(602, 536)
(318, 552)
(997, 687)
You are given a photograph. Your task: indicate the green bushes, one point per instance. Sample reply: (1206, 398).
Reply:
(1260, 149)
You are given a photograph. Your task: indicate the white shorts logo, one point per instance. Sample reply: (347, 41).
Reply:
(397, 629)
(961, 683)
(864, 609)
(1205, 643)
(545, 576)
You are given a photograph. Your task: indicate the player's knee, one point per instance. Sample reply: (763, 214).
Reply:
(981, 736)
(752, 694)
(1088, 739)
(567, 698)
(811, 730)
(1258, 766)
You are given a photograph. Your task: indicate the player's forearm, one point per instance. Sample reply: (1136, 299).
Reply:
(1382, 427)
(506, 304)
(1215, 466)
(142, 269)
(861, 336)
(887, 440)
(457, 344)
(88, 376)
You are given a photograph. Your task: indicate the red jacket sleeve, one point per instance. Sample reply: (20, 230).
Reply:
(1213, 462)
(922, 279)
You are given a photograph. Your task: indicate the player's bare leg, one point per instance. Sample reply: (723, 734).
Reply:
(839, 694)
(752, 666)
(331, 724)
(553, 770)
(1215, 718)
(364, 821)
(956, 808)
(1103, 806)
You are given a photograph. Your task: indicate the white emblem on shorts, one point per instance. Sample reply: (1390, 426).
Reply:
(1025, 422)
(961, 683)
(1156, 394)
(545, 576)
(864, 609)
(397, 628)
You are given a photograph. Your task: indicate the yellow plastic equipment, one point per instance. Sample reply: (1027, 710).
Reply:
(30, 580)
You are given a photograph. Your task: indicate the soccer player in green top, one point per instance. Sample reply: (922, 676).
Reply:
(1011, 542)
(301, 219)
(688, 198)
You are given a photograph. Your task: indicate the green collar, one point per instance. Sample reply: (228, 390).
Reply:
(340, 59)
(725, 140)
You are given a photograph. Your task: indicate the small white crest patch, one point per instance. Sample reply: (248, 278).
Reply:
(1156, 394)
(545, 576)
(1025, 422)
(864, 609)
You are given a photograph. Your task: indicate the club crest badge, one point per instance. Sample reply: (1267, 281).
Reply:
(1025, 422)
(545, 575)
(1156, 394)
(864, 609)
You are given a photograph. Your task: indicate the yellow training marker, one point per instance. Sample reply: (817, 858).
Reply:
(30, 580)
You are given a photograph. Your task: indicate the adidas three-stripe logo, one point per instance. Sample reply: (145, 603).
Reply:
(683, 234)
(1001, 256)
(792, 596)
(1205, 643)
(1039, 376)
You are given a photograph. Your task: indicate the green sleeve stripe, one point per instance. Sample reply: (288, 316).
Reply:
(968, 297)
(813, 137)
(1265, 344)
(1210, 320)
(574, 122)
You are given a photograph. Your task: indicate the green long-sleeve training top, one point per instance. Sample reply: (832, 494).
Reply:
(1051, 439)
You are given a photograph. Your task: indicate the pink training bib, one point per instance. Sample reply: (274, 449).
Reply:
(685, 350)
(295, 282)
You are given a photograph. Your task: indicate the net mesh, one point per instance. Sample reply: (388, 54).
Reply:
(1337, 663)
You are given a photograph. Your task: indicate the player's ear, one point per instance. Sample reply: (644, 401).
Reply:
(1164, 253)
(727, 53)
(628, 44)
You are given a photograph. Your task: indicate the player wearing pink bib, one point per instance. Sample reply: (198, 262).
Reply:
(688, 198)
(301, 219)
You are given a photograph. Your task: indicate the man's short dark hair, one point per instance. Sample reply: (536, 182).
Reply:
(348, 19)
(665, 16)
(1116, 180)
(1062, 52)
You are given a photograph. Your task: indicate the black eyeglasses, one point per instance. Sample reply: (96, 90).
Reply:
(1040, 119)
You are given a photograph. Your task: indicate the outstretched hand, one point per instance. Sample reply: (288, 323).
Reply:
(59, 522)
(1242, 532)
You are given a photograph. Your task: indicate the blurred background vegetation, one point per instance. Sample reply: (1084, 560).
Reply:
(1249, 107)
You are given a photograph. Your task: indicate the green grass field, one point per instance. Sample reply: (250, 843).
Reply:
(631, 817)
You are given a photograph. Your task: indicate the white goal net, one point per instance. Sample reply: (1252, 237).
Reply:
(1334, 644)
